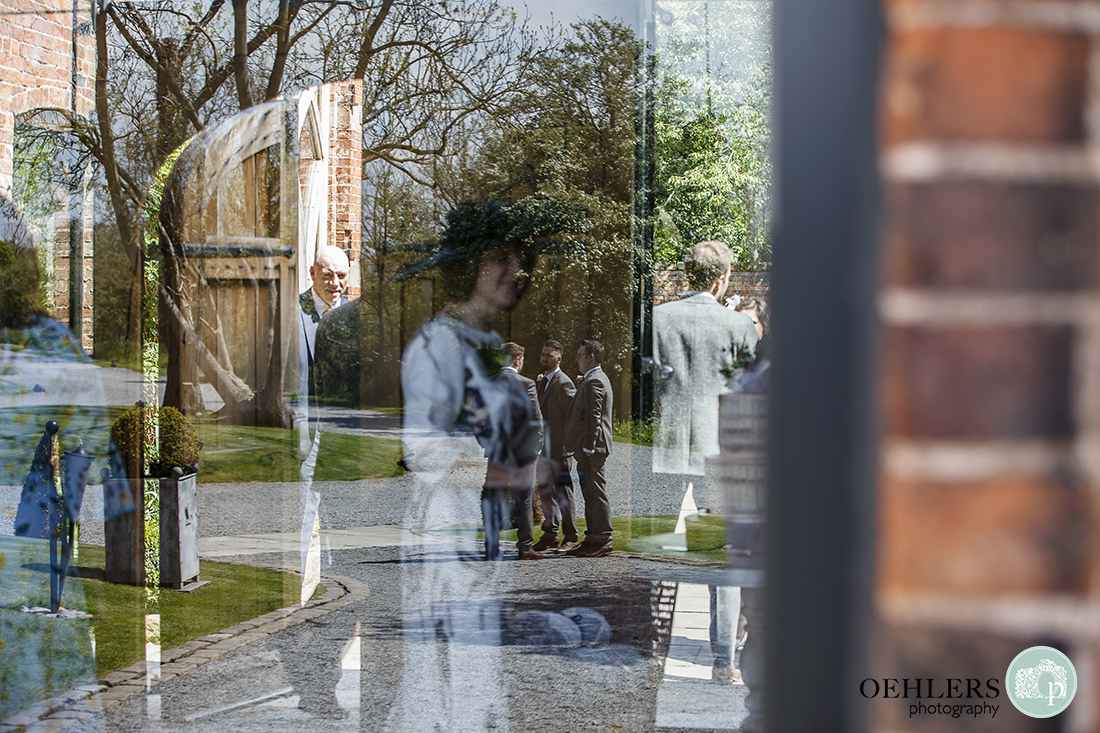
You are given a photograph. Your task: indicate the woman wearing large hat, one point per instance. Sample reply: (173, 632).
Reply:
(459, 414)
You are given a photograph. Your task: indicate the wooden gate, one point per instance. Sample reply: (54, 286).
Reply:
(229, 229)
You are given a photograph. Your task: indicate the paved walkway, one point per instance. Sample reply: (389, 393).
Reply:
(270, 673)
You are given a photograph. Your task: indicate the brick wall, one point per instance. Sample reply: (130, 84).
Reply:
(36, 66)
(990, 349)
(36, 61)
(671, 284)
(346, 175)
(339, 115)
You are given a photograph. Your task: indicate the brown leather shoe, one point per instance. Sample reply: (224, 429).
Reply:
(546, 542)
(593, 550)
(530, 555)
(567, 548)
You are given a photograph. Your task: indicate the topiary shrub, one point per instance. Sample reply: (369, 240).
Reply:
(178, 446)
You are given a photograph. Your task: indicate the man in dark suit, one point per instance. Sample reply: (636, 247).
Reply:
(588, 435)
(556, 392)
(522, 495)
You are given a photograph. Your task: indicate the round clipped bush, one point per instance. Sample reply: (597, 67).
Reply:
(178, 446)
(126, 434)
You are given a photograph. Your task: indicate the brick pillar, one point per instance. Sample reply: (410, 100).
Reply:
(990, 351)
(346, 174)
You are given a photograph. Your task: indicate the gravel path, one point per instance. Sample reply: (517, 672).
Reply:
(294, 680)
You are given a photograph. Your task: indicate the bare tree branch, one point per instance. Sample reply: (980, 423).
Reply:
(240, 53)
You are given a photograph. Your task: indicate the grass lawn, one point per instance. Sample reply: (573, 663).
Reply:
(41, 657)
(706, 535)
(233, 453)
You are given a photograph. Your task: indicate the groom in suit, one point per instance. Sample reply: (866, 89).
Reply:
(494, 514)
(556, 392)
(588, 436)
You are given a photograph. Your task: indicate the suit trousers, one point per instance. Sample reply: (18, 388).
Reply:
(597, 507)
(497, 512)
(725, 610)
(558, 503)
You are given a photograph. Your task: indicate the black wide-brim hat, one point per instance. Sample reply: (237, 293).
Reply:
(535, 223)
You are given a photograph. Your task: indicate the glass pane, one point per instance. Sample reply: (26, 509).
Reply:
(368, 337)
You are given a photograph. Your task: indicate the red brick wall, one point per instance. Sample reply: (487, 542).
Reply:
(36, 65)
(990, 350)
(346, 174)
(671, 284)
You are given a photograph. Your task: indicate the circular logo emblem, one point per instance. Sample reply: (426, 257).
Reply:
(1041, 682)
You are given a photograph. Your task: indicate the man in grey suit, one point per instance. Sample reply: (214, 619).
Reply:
(588, 435)
(556, 392)
(699, 344)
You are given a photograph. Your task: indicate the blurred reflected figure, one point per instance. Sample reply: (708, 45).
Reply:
(702, 344)
(701, 347)
(522, 497)
(45, 378)
(757, 309)
(467, 433)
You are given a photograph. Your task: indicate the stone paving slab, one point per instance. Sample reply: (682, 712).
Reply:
(84, 701)
(51, 725)
(695, 704)
(338, 539)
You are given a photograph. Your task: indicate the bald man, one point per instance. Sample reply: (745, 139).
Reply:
(329, 273)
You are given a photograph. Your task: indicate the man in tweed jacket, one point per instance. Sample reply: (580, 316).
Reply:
(699, 343)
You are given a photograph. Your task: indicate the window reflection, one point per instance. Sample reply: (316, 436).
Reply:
(270, 248)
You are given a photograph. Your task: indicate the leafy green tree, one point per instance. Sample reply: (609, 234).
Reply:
(575, 138)
(713, 178)
(713, 169)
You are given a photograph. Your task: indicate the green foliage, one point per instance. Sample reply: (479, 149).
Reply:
(21, 298)
(178, 444)
(127, 433)
(713, 171)
(637, 432)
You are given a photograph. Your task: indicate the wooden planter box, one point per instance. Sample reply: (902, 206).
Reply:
(179, 532)
(124, 531)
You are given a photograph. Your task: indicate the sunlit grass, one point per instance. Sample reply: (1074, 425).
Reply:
(41, 657)
(235, 454)
(231, 453)
(704, 539)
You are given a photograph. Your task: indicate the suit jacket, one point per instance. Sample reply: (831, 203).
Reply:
(532, 444)
(700, 339)
(309, 319)
(556, 401)
(589, 424)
